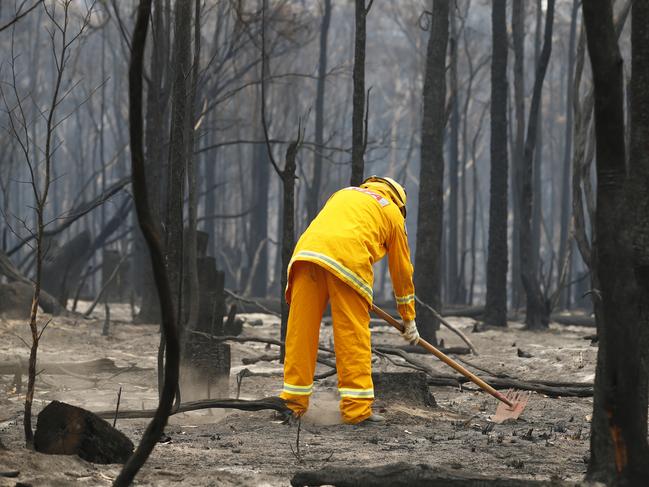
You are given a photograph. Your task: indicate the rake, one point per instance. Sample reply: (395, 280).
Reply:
(511, 404)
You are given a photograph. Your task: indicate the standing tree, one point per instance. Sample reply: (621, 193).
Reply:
(455, 291)
(314, 194)
(496, 305)
(518, 42)
(619, 448)
(178, 150)
(150, 231)
(359, 129)
(428, 273)
(538, 306)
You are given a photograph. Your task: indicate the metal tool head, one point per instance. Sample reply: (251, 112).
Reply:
(504, 412)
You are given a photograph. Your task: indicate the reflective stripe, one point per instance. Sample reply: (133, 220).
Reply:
(382, 201)
(405, 299)
(356, 280)
(298, 390)
(364, 393)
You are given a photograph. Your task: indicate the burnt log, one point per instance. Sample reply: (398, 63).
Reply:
(273, 403)
(63, 429)
(97, 366)
(407, 475)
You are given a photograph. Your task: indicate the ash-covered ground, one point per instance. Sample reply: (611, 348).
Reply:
(230, 447)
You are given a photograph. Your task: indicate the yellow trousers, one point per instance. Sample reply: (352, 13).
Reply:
(311, 288)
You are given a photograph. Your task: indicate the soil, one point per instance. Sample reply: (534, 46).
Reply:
(229, 447)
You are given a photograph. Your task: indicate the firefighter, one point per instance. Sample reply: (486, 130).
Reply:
(332, 262)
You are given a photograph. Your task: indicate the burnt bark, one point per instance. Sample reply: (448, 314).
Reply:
(178, 150)
(155, 143)
(619, 447)
(406, 475)
(565, 240)
(455, 291)
(537, 304)
(518, 41)
(149, 229)
(313, 200)
(428, 271)
(497, 260)
(358, 127)
(63, 429)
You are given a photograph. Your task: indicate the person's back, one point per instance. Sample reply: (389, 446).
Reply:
(332, 262)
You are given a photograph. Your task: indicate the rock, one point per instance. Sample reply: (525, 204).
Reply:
(63, 429)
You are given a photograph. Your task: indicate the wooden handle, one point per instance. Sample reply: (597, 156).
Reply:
(445, 358)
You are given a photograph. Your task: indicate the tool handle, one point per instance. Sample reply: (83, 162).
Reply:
(445, 358)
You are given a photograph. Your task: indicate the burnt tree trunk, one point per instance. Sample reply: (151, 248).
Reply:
(358, 129)
(537, 305)
(428, 275)
(155, 143)
(564, 238)
(619, 448)
(178, 149)
(313, 200)
(454, 293)
(149, 229)
(518, 41)
(496, 302)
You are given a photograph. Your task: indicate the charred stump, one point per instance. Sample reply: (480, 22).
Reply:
(63, 429)
(400, 387)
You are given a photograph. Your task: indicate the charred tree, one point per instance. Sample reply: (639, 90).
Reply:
(428, 273)
(455, 291)
(537, 305)
(149, 229)
(178, 150)
(565, 239)
(155, 143)
(518, 41)
(497, 260)
(313, 201)
(619, 448)
(359, 132)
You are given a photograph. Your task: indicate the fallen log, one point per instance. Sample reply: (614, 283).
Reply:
(407, 475)
(573, 319)
(98, 366)
(63, 429)
(549, 388)
(272, 402)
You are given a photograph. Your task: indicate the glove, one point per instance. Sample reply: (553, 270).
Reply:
(410, 333)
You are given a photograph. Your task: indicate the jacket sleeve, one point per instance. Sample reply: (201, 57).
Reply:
(401, 268)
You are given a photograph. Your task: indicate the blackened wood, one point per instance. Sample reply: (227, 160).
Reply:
(408, 475)
(313, 199)
(537, 314)
(274, 403)
(428, 272)
(619, 448)
(358, 103)
(149, 230)
(97, 366)
(63, 429)
(497, 260)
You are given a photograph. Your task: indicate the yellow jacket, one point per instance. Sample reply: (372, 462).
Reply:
(355, 229)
